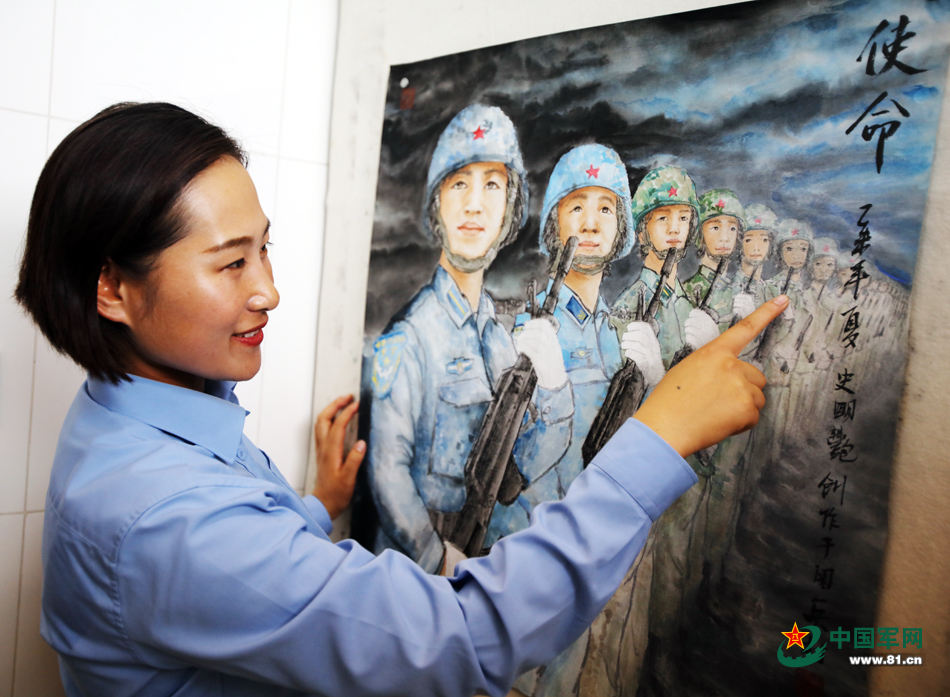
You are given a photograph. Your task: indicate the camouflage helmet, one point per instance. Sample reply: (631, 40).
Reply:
(664, 186)
(717, 202)
(583, 166)
(478, 133)
(826, 247)
(720, 202)
(759, 217)
(792, 229)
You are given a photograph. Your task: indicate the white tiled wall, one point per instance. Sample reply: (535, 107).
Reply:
(263, 71)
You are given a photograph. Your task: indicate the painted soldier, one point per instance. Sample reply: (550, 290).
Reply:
(435, 366)
(817, 351)
(755, 252)
(721, 223)
(588, 196)
(794, 242)
(666, 214)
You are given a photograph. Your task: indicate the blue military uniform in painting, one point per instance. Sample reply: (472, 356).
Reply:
(590, 351)
(591, 182)
(433, 372)
(436, 364)
(591, 357)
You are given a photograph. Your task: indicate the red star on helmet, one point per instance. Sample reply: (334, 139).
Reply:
(720, 204)
(592, 171)
(795, 231)
(672, 191)
(478, 133)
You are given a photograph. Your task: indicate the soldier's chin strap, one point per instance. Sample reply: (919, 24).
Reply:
(590, 264)
(678, 252)
(719, 257)
(469, 265)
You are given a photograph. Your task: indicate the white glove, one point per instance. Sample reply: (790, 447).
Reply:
(641, 346)
(538, 341)
(742, 305)
(699, 328)
(453, 556)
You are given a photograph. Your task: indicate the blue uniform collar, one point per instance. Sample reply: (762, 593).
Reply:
(455, 304)
(212, 419)
(572, 305)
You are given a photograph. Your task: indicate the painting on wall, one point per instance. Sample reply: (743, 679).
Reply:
(561, 219)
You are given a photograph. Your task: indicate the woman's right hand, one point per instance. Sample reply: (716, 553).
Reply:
(711, 394)
(336, 475)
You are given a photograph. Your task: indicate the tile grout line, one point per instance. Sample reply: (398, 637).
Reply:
(26, 488)
(276, 193)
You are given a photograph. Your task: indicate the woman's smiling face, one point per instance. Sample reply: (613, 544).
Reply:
(199, 313)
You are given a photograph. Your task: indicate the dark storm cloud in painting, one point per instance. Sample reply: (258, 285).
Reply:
(755, 97)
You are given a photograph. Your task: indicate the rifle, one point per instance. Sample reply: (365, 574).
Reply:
(627, 386)
(801, 336)
(490, 472)
(811, 317)
(767, 332)
(748, 284)
(747, 289)
(686, 349)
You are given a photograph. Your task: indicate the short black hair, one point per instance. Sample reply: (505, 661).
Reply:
(109, 193)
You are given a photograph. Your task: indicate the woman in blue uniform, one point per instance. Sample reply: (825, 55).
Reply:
(177, 560)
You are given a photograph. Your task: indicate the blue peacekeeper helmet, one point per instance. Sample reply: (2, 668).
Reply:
(478, 133)
(588, 165)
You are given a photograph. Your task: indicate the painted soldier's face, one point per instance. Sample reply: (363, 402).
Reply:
(590, 214)
(844, 274)
(472, 202)
(823, 268)
(668, 226)
(719, 235)
(755, 246)
(794, 253)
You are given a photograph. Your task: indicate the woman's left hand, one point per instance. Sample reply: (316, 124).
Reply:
(336, 475)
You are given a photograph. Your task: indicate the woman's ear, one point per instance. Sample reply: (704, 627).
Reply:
(110, 297)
